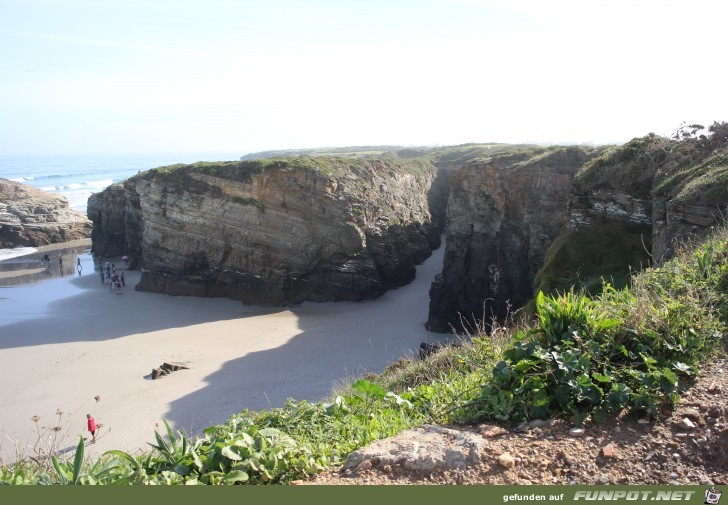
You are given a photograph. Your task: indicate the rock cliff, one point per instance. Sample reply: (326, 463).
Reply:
(678, 188)
(273, 231)
(503, 214)
(590, 213)
(30, 217)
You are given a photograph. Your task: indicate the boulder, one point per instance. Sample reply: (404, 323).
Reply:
(166, 368)
(427, 448)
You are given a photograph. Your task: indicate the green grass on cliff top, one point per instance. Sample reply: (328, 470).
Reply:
(690, 169)
(340, 166)
(345, 161)
(630, 350)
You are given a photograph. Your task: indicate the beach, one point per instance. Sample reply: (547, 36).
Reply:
(68, 344)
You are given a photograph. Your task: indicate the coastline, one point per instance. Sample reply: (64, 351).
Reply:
(68, 339)
(27, 268)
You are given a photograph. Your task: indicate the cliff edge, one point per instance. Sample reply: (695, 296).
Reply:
(503, 214)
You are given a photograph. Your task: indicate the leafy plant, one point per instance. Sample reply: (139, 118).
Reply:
(581, 361)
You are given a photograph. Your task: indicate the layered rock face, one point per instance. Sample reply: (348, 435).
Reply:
(678, 189)
(675, 222)
(672, 221)
(503, 214)
(30, 217)
(272, 232)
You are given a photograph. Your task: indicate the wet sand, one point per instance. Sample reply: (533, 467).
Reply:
(28, 269)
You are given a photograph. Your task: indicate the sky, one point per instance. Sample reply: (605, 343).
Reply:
(147, 76)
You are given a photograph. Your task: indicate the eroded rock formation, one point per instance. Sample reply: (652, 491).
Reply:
(506, 212)
(677, 188)
(282, 231)
(503, 214)
(273, 232)
(30, 217)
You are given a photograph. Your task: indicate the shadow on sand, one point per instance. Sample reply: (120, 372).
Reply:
(337, 341)
(48, 312)
(334, 341)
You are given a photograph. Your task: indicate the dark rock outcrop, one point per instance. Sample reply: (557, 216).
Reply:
(30, 217)
(503, 214)
(275, 231)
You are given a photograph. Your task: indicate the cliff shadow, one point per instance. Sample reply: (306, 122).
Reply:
(336, 341)
(83, 309)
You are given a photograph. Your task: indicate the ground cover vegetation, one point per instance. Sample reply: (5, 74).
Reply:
(691, 166)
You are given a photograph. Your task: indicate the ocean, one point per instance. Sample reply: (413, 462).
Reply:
(77, 177)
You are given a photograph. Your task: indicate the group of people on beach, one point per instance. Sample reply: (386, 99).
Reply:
(115, 281)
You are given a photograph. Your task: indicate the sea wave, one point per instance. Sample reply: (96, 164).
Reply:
(21, 179)
(99, 184)
(6, 254)
(66, 175)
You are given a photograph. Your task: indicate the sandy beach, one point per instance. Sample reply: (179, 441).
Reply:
(66, 340)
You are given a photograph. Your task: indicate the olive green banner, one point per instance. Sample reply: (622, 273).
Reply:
(369, 495)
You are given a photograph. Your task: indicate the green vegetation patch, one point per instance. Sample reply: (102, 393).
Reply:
(248, 201)
(630, 168)
(689, 166)
(708, 184)
(584, 260)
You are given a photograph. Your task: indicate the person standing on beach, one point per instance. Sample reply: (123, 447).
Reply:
(91, 426)
(78, 266)
(123, 282)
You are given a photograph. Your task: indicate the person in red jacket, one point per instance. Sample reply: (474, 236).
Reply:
(91, 426)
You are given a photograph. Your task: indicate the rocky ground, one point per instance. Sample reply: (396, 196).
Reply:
(684, 446)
